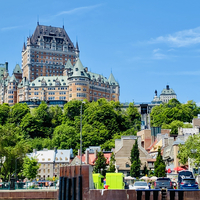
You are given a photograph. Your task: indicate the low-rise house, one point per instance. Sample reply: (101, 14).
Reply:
(188, 131)
(123, 148)
(148, 136)
(51, 160)
(90, 156)
(170, 153)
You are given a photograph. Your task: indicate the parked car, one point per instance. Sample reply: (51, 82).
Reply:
(163, 183)
(139, 185)
(184, 174)
(189, 183)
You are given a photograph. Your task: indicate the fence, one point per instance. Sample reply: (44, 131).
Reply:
(29, 185)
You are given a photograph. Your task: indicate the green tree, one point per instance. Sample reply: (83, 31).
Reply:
(30, 167)
(135, 161)
(159, 165)
(100, 164)
(145, 170)
(191, 149)
(43, 117)
(13, 147)
(65, 137)
(111, 168)
(55, 114)
(173, 126)
(165, 114)
(94, 135)
(4, 113)
(72, 109)
(17, 112)
(134, 117)
(31, 126)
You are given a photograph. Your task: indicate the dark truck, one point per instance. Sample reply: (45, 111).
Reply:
(164, 182)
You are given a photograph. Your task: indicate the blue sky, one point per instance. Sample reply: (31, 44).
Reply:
(146, 44)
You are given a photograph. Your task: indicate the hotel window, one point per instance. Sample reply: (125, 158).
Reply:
(78, 89)
(81, 95)
(51, 98)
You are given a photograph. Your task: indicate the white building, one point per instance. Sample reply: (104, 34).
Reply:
(51, 160)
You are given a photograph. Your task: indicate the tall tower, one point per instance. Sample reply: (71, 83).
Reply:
(46, 52)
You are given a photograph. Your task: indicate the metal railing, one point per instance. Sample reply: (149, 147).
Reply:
(29, 185)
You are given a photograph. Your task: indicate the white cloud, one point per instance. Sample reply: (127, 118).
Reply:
(180, 39)
(156, 50)
(159, 56)
(171, 50)
(78, 10)
(9, 28)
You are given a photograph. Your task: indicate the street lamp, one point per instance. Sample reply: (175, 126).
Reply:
(81, 131)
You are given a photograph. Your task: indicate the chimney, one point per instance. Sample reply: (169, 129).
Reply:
(6, 63)
(34, 151)
(87, 157)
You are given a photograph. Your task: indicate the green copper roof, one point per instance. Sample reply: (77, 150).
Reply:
(112, 80)
(6, 81)
(97, 76)
(50, 81)
(78, 70)
(2, 69)
(68, 64)
(17, 69)
(168, 91)
(13, 79)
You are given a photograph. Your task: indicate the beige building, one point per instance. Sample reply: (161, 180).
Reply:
(51, 160)
(166, 94)
(76, 83)
(123, 148)
(47, 51)
(52, 72)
